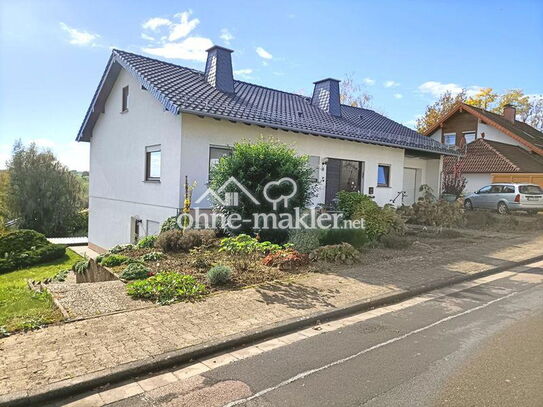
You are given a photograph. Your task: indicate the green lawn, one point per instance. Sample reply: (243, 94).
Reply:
(20, 307)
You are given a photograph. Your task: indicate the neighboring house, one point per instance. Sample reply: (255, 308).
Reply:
(151, 123)
(498, 148)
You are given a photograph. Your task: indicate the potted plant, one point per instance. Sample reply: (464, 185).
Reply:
(454, 182)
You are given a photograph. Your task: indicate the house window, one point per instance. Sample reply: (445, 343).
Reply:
(449, 139)
(469, 137)
(383, 176)
(342, 175)
(216, 153)
(124, 106)
(314, 163)
(152, 163)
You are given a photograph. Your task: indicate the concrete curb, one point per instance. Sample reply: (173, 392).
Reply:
(91, 381)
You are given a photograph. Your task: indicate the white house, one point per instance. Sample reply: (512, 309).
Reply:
(151, 123)
(498, 148)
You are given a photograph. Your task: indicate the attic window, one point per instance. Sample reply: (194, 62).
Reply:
(124, 106)
(300, 113)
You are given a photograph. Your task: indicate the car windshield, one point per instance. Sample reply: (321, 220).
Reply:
(530, 189)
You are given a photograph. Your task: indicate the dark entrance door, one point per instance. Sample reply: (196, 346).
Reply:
(342, 175)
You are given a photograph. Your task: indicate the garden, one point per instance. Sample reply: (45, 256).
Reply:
(188, 264)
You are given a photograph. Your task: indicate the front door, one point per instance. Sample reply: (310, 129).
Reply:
(342, 175)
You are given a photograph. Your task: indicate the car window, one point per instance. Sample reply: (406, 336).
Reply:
(530, 189)
(485, 190)
(508, 189)
(496, 189)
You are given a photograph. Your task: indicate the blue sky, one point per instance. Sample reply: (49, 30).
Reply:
(52, 53)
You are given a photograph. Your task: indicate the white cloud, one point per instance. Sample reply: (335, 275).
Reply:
(262, 53)
(147, 37)
(398, 95)
(78, 37)
(391, 84)
(246, 71)
(184, 28)
(192, 48)
(156, 22)
(436, 89)
(226, 36)
(368, 81)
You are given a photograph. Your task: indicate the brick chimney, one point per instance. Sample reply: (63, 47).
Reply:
(218, 71)
(510, 112)
(326, 96)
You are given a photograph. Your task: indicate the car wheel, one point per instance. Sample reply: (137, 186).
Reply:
(468, 205)
(503, 209)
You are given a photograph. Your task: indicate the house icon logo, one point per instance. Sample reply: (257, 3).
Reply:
(228, 198)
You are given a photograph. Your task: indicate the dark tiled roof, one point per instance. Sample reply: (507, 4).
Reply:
(486, 156)
(182, 89)
(521, 129)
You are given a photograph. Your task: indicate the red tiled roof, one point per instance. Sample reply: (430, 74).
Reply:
(486, 156)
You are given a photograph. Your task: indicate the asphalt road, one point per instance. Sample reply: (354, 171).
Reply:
(482, 346)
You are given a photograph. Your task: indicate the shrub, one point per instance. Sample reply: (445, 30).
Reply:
(170, 224)
(23, 248)
(181, 240)
(148, 242)
(152, 256)
(355, 237)
(167, 287)
(219, 275)
(348, 202)
(394, 241)
(378, 221)
(339, 253)
(245, 244)
(20, 241)
(286, 259)
(135, 271)
(304, 240)
(254, 165)
(81, 266)
(438, 213)
(113, 260)
(121, 248)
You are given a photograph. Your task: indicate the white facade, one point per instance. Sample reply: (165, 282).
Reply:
(476, 181)
(493, 134)
(119, 194)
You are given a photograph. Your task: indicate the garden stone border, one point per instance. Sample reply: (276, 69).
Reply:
(70, 387)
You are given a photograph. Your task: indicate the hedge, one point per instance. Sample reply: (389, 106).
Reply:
(23, 248)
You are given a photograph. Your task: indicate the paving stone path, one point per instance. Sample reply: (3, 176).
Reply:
(63, 351)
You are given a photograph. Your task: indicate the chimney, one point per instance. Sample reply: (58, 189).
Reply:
(326, 96)
(218, 71)
(510, 112)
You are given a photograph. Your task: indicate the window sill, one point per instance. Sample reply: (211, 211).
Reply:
(152, 181)
(384, 186)
(124, 111)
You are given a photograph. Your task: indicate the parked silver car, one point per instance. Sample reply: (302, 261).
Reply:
(505, 197)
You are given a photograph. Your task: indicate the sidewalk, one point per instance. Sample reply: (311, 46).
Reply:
(30, 361)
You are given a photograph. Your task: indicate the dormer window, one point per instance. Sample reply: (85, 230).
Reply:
(124, 105)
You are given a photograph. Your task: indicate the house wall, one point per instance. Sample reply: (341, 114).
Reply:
(437, 135)
(493, 134)
(476, 181)
(200, 133)
(117, 189)
(429, 172)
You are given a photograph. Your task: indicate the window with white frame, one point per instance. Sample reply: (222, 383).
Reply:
(469, 136)
(152, 163)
